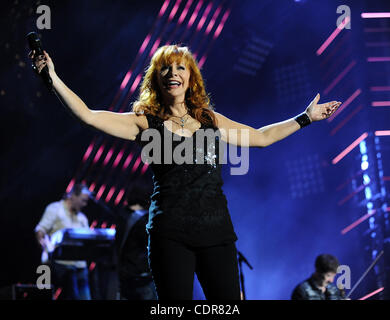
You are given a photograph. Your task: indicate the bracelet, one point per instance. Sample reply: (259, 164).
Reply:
(303, 119)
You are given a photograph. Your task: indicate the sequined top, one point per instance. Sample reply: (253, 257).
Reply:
(187, 203)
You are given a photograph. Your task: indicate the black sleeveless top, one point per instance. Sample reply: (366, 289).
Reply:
(187, 203)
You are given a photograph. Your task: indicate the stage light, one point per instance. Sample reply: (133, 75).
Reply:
(363, 147)
(378, 59)
(368, 193)
(371, 222)
(373, 15)
(364, 165)
(366, 179)
(333, 36)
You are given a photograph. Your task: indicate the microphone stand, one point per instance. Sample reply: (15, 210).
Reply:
(242, 259)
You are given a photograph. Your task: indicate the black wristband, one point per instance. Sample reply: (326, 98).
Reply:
(303, 119)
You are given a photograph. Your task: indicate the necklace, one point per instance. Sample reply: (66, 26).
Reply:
(182, 121)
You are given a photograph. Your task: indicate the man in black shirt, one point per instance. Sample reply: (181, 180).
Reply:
(320, 285)
(135, 279)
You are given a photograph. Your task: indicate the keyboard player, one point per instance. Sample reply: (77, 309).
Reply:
(71, 276)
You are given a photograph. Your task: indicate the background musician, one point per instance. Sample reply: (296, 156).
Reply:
(135, 279)
(320, 285)
(71, 276)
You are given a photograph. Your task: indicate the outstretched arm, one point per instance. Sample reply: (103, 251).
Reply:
(123, 125)
(246, 136)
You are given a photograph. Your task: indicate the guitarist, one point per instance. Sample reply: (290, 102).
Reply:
(71, 276)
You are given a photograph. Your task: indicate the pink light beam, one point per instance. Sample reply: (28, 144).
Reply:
(349, 148)
(345, 104)
(372, 293)
(332, 36)
(375, 15)
(380, 103)
(357, 222)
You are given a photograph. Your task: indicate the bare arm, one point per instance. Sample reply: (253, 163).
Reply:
(246, 136)
(40, 236)
(123, 125)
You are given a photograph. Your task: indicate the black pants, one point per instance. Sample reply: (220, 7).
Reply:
(173, 265)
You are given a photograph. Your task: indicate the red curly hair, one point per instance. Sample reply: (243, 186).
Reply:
(197, 100)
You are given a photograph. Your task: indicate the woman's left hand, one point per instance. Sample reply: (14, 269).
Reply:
(317, 112)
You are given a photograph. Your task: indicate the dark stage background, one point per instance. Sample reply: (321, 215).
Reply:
(262, 68)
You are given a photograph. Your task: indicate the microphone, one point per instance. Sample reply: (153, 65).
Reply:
(35, 44)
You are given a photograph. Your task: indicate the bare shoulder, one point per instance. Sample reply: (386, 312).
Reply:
(139, 119)
(225, 122)
(220, 118)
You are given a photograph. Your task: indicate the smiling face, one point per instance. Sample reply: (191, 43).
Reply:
(173, 79)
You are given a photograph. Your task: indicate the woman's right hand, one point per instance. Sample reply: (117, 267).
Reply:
(42, 61)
